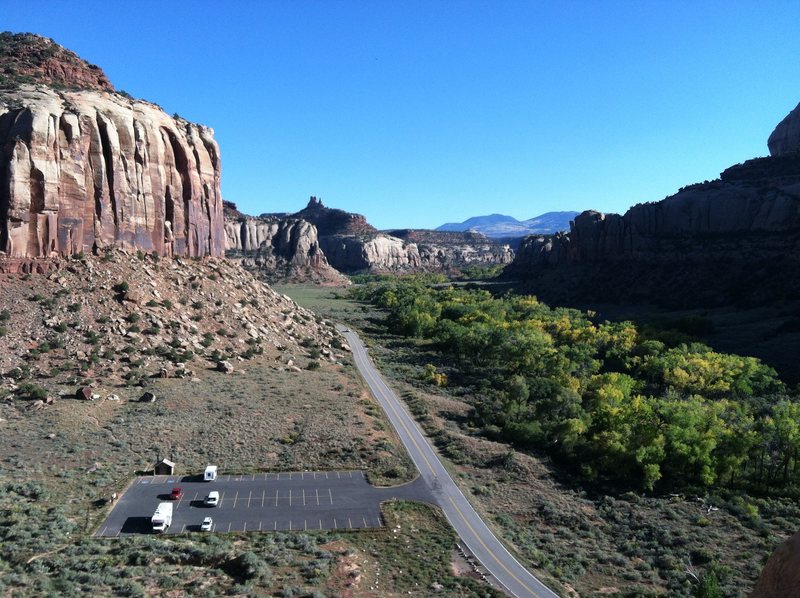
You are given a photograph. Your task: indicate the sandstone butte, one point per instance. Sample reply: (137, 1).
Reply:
(84, 168)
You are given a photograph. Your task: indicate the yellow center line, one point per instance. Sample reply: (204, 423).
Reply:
(361, 356)
(371, 376)
(486, 548)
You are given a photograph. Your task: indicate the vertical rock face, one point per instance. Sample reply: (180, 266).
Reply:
(83, 170)
(279, 248)
(785, 139)
(732, 240)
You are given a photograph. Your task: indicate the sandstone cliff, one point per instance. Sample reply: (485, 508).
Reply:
(278, 248)
(86, 169)
(732, 240)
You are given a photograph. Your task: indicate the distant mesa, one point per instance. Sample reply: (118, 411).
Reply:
(499, 226)
(83, 168)
(332, 221)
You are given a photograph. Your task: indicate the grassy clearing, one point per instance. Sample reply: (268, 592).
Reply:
(582, 539)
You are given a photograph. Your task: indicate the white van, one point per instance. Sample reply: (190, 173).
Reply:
(212, 500)
(210, 473)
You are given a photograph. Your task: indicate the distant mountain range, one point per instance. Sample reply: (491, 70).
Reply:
(501, 226)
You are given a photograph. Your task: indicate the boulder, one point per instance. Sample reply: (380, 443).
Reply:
(225, 366)
(780, 577)
(147, 397)
(84, 393)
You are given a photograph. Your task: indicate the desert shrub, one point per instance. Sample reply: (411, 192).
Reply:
(32, 391)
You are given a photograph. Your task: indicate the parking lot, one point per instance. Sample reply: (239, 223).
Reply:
(259, 502)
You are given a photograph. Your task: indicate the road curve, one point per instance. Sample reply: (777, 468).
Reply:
(505, 570)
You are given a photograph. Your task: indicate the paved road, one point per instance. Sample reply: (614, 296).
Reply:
(479, 539)
(259, 502)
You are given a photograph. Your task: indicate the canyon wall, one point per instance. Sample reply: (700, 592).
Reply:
(84, 170)
(352, 245)
(83, 167)
(278, 248)
(734, 240)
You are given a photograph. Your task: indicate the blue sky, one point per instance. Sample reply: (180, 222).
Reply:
(420, 113)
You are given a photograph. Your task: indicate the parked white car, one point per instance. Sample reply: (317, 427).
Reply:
(212, 500)
(207, 524)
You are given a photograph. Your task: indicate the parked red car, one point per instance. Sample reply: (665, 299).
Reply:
(177, 494)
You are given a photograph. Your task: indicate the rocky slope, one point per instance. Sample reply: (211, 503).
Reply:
(30, 58)
(83, 168)
(122, 318)
(732, 240)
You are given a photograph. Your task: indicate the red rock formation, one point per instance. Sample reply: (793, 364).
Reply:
(29, 58)
(332, 221)
(81, 170)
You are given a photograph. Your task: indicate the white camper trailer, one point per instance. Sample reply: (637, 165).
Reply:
(162, 518)
(210, 474)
